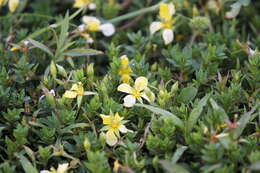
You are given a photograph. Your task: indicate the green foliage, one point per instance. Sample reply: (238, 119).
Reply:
(200, 111)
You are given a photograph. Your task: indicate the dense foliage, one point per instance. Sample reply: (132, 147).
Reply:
(129, 86)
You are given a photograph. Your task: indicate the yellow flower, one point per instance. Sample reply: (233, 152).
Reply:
(166, 13)
(93, 24)
(2, 2)
(137, 92)
(116, 166)
(75, 91)
(114, 124)
(13, 4)
(62, 168)
(84, 3)
(125, 69)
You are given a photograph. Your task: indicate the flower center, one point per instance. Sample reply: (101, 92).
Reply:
(136, 94)
(114, 124)
(93, 26)
(167, 24)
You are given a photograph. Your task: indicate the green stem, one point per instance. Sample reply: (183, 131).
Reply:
(135, 13)
(47, 28)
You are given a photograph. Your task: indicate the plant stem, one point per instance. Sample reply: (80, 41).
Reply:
(135, 13)
(47, 28)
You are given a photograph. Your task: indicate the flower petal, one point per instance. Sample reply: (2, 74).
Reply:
(125, 88)
(123, 129)
(107, 29)
(145, 96)
(166, 11)
(70, 94)
(106, 119)
(141, 83)
(62, 168)
(129, 101)
(13, 4)
(111, 138)
(167, 36)
(92, 6)
(45, 171)
(117, 117)
(155, 26)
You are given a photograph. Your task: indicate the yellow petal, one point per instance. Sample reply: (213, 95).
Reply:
(117, 117)
(111, 138)
(74, 87)
(166, 11)
(81, 3)
(155, 26)
(141, 83)
(125, 88)
(126, 78)
(13, 4)
(80, 90)
(2, 2)
(116, 166)
(92, 23)
(124, 61)
(70, 94)
(106, 119)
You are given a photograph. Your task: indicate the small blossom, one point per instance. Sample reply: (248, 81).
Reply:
(13, 4)
(166, 24)
(62, 168)
(117, 165)
(137, 92)
(93, 24)
(113, 125)
(75, 91)
(125, 69)
(84, 3)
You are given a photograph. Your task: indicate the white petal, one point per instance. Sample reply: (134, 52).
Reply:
(167, 36)
(129, 101)
(123, 129)
(62, 168)
(172, 9)
(88, 19)
(155, 26)
(82, 28)
(92, 6)
(45, 171)
(107, 29)
(145, 96)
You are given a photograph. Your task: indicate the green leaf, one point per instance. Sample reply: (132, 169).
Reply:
(178, 122)
(173, 168)
(243, 121)
(73, 126)
(187, 95)
(218, 109)
(178, 153)
(82, 52)
(196, 112)
(64, 32)
(41, 46)
(26, 164)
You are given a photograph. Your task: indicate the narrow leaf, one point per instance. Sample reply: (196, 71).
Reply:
(178, 153)
(26, 164)
(196, 112)
(41, 46)
(187, 95)
(178, 122)
(81, 52)
(173, 168)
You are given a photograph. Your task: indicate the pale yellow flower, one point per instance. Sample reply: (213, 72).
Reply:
(166, 23)
(93, 24)
(125, 69)
(117, 165)
(114, 124)
(75, 91)
(13, 4)
(62, 168)
(137, 92)
(84, 3)
(2, 2)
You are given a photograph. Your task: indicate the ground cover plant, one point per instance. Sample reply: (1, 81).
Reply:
(129, 86)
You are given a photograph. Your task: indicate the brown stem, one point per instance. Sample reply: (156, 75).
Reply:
(125, 4)
(129, 24)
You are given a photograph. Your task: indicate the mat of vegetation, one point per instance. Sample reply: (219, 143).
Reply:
(129, 86)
